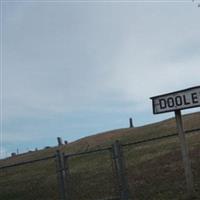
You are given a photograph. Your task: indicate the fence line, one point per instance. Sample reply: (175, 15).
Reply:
(87, 152)
(117, 158)
(28, 162)
(100, 149)
(160, 138)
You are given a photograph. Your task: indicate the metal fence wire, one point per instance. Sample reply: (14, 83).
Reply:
(91, 176)
(29, 181)
(151, 169)
(154, 170)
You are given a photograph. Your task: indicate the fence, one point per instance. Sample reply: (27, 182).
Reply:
(29, 180)
(147, 169)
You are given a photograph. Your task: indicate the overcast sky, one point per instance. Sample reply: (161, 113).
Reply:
(77, 68)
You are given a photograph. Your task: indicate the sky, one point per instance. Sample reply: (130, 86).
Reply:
(76, 68)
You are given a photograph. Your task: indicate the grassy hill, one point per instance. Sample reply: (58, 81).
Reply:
(154, 169)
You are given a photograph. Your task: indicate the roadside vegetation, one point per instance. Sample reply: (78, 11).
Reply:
(154, 169)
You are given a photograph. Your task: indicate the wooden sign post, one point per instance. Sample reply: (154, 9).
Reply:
(185, 153)
(177, 101)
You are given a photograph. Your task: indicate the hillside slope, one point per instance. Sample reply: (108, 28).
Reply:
(125, 135)
(154, 169)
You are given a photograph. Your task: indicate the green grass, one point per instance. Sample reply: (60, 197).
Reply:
(154, 169)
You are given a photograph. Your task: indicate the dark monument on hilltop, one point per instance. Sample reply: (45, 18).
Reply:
(66, 142)
(131, 123)
(60, 143)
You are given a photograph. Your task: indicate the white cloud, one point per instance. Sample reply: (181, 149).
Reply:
(70, 59)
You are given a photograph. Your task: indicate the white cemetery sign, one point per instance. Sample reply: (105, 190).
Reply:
(177, 101)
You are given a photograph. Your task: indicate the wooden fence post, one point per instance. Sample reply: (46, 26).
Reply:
(67, 178)
(61, 174)
(120, 170)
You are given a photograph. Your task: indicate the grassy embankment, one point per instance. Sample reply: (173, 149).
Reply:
(154, 169)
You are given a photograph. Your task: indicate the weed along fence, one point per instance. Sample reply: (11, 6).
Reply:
(91, 175)
(29, 180)
(146, 169)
